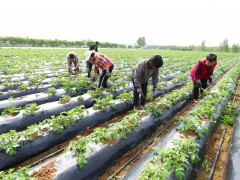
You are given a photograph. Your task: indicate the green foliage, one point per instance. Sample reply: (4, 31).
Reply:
(103, 104)
(206, 164)
(229, 114)
(235, 48)
(10, 110)
(20, 174)
(125, 96)
(194, 124)
(30, 109)
(80, 98)
(23, 87)
(65, 98)
(141, 42)
(102, 134)
(224, 47)
(51, 91)
(10, 145)
(153, 110)
(166, 160)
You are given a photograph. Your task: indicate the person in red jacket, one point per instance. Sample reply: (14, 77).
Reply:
(202, 72)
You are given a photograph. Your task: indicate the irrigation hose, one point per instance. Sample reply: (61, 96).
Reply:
(218, 151)
(48, 156)
(150, 142)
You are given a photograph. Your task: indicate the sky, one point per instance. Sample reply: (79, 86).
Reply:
(161, 22)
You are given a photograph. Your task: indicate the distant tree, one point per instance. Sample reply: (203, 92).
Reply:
(224, 47)
(191, 47)
(203, 45)
(235, 48)
(141, 41)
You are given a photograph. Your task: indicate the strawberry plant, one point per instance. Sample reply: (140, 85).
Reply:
(23, 87)
(103, 104)
(20, 174)
(10, 110)
(153, 110)
(65, 98)
(30, 109)
(194, 124)
(125, 96)
(51, 91)
(166, 160)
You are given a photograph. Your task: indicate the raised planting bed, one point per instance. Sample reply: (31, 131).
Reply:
(168, 161)
(38, 98)
(233, 162)
(88, 157)
(44, 111)
(18, 146)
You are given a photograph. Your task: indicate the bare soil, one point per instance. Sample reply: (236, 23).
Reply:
(45, 172)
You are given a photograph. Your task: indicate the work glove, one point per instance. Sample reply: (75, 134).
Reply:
(76, 69)
(70, 70)
(198, 83)
(210, 80)
(94, 78)
(108, 74)
(153, 90)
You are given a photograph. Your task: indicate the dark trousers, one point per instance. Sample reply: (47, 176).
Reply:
(104, 78)
(196, 89)
(89, 66)
(136, 94)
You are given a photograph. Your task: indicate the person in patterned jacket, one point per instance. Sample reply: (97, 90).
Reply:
(72, 59)
(102, 62)
(202, 72)
(141, 73)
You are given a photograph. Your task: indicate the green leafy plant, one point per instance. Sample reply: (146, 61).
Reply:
(103, 104)
(20, 174)
(125, 96)
(206, 164)
(30, 109)
(194, 124)
(11, 98)
(102, 134)
(80, 98)
(166, 160)
(65, 98)
(10, 110)
(23, 87)
(9, 143)
(51, 91)
(154, 110)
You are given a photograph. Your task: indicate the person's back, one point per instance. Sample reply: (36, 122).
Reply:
(94, 47)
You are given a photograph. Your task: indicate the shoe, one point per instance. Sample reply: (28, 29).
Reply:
(195, 100)
(138, 108)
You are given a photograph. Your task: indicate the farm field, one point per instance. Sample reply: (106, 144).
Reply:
(56, 125)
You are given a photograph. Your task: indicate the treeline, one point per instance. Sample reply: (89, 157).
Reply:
(30, 42)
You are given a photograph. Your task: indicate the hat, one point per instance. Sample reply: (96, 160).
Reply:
(87, 54)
